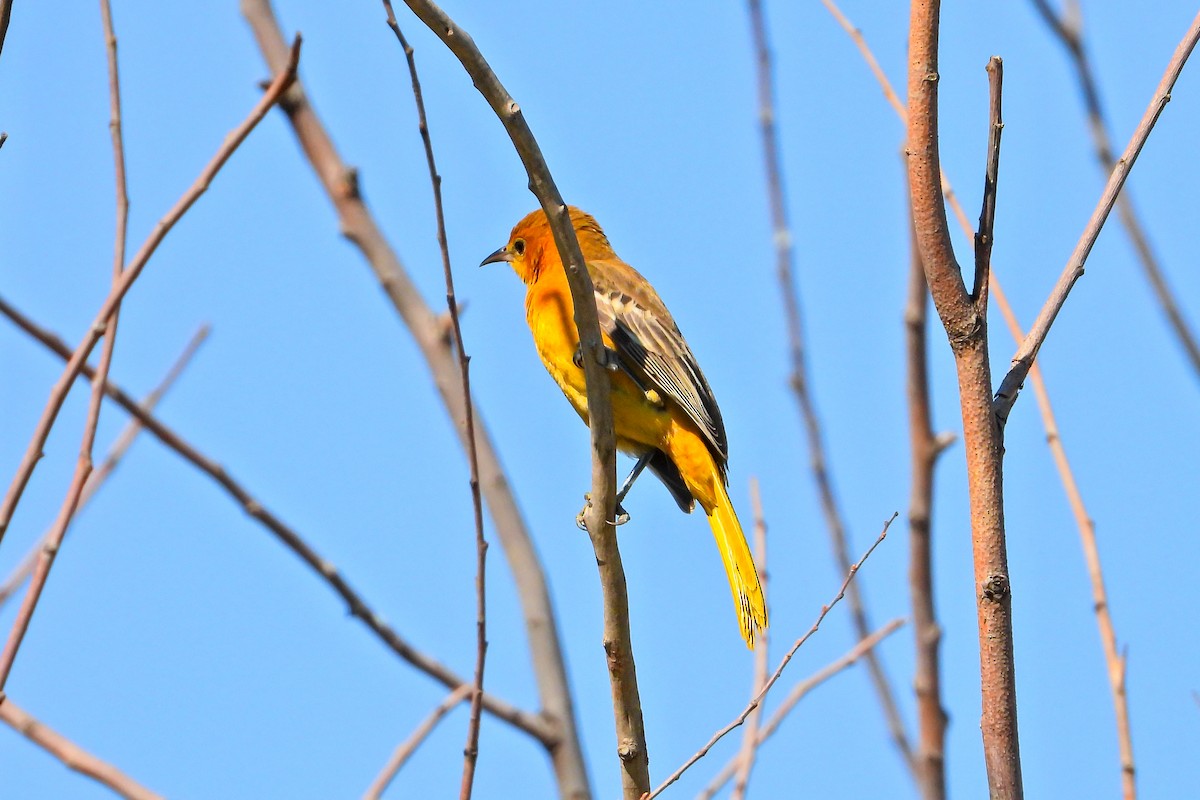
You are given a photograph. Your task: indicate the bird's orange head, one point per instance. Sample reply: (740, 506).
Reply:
(531, 247)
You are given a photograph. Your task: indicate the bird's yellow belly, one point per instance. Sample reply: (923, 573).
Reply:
(639, 423)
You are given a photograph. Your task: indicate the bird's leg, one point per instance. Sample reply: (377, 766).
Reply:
(622, 514)
(643, 460)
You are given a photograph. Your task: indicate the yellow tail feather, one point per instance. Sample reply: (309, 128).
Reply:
(748, 597)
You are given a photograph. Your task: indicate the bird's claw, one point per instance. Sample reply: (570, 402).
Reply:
(622, 514)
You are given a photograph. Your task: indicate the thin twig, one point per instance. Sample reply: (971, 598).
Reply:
(798, 693)
(925, 448)
(758, 698)
(618, 646)
(58, 393)
(83, 465)
(1006, 395)
(964, 316)
(471, 750)
(340, 183)
(70, 754)
(799, 378)
(750, 740)
(1068, 27)
(5, 16)
(533, 724)
(119, 447)
(409, 746)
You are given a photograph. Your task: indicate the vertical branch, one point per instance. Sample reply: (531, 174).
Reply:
(471, 750)
(1068, 29)
(83, 465)
(965, 319)
(359, 226)
(799, 377)
(925, 448)
(750, 739)
(627, 704)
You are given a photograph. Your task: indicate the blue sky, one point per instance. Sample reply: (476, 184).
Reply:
(179, 641)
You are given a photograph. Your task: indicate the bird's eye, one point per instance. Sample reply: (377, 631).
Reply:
(519, 247)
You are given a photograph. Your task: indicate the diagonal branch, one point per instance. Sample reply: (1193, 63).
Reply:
(756, 701)
(798, 693)
(533, 724)
(70, 754)
(357, 224)
(58, 394)
(106, 468)
(1022, 360)
(405, 749)
(1068, 28)
(799, 379)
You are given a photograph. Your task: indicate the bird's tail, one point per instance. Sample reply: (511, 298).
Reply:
(739, 566)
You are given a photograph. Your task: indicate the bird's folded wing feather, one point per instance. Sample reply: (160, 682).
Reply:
(650, 346)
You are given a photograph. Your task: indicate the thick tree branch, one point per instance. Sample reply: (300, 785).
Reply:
(966, 329)
(357, 224)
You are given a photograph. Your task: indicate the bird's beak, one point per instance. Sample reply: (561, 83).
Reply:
(500, 255)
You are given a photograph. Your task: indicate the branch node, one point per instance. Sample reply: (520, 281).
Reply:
(996, 589)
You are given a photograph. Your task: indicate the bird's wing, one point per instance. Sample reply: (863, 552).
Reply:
(651, 348)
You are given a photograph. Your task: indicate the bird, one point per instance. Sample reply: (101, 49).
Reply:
(664, 412)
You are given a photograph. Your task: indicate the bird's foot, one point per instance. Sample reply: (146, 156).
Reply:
(622, 514)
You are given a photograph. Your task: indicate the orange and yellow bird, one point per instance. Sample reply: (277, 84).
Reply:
(664, 412)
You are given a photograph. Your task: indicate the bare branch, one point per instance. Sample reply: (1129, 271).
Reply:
(799, 379)
(357, 224)
(745, 759)
(627, 704)
(1022, 360)
(1070, 34)
(533, 724)
(110, 463)
(925, 448)
(758, 698)
(471, 750)
(798, 693)
(409, 746)
(70, 754)
(58, 393)
(83, 465)
(966, 328)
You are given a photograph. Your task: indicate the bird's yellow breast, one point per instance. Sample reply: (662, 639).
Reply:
(639, 423)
